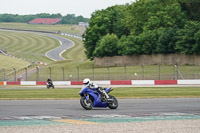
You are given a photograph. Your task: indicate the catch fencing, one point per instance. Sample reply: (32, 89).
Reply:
(152, 72)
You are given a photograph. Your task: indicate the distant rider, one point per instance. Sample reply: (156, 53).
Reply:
(49, 81)
(92, 85)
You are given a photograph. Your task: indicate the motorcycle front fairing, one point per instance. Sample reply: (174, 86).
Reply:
(86, 92)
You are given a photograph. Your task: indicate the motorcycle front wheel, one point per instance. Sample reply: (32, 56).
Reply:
(114, 104)
(86, 104)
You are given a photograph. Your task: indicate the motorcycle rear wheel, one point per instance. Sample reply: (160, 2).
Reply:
(86, 104)
(113, 105)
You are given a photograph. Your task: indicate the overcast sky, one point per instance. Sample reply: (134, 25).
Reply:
(77, 7)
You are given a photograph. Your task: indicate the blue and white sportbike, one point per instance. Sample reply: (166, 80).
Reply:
(93, 98)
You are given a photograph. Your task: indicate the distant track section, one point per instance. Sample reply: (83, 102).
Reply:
(28, 30)
(56, 54)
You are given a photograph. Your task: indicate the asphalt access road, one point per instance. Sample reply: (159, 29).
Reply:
(55, 54)
(73, 109)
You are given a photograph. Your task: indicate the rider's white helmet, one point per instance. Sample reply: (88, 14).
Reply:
(86, 81)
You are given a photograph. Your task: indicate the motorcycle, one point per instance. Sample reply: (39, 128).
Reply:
(92, 98)
(50, 84)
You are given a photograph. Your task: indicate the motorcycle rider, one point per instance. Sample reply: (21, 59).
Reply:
(92, 85)
(50, 82)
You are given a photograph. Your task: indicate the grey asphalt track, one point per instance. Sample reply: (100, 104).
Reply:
(72, 108)
(56, 54)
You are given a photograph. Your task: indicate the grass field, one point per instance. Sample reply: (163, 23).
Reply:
(70, 29)
(148, 92)
(26, 45)
(9, 63)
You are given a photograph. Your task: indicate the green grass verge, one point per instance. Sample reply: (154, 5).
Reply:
(71, 93)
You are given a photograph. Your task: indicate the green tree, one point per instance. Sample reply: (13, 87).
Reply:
(187, 38)
(107, 46)
(101, 23)
(197, 43)
(151, 14)
(130, 45)
(149, 40)
(68, 19)
(191, 7)
(167, 40)
(154, 24)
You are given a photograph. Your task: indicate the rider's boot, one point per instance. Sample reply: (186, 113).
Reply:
(108, 99)
(105, 94)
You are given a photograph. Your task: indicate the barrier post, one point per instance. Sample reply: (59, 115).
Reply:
(143, 72)
(4, 74)
(193, 70)
(159, 71)
(15, 74)
(108, 73)
(125, 72)
(175, 71)
(26, 73)
(63, 73)
(50, 72)
(37, 76)
(93, 72)
(78, 72)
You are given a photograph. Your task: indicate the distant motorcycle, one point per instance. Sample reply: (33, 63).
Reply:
(92, 98)
(49, 85)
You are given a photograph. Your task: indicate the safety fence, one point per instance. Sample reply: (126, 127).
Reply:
(153, 72)
(15, 74)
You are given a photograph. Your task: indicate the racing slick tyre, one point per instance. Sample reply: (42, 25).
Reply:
(114, 104)
(86, 104)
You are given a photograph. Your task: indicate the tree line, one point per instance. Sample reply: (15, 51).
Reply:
(144, 27)
(67, 19)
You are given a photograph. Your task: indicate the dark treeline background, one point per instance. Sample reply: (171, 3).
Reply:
(68, 19)
(145, 27)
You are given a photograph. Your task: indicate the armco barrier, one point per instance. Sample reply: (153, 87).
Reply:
(13, 83)
(62, 82)
(188, 82)
(143, 82)
(121, 82)
(1, 83)
(109, 82)
(28, 83)
(76, 82)
(165, 82)
(41, 83)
